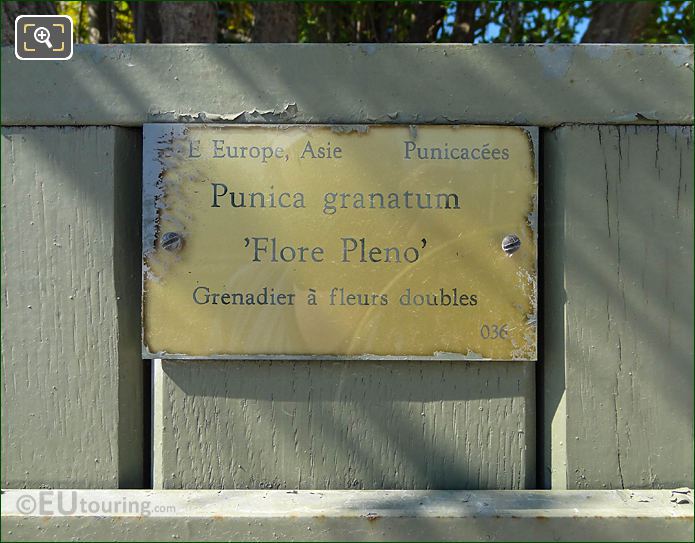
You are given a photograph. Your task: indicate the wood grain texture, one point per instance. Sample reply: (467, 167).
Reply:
(338, 425)
(71, 369)
(619, 309)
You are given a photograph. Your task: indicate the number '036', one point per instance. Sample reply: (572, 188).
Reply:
(494, 331)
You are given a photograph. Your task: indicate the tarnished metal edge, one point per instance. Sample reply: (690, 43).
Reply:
(532, 133)
(155, 137)
(326, 357)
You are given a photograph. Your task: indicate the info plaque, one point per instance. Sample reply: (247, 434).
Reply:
(335, 241)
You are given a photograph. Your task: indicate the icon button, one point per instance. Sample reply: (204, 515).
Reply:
(43, 37)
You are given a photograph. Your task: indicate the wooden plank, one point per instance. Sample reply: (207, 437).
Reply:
(541, 85)
(72, 374)
(339, 425)
(346, 515)
(619, 307)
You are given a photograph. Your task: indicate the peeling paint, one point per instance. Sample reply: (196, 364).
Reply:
(152, 189)
(644, 117)
(527, 349)
(281, 114)
(123, 81)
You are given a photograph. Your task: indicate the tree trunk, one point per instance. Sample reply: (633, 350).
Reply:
(515, 30)
(147, 26)
(274, 22)
(102, 22)
(428, 19)
(11, 10)
(618, 22)
(464, 22)
(180, 22)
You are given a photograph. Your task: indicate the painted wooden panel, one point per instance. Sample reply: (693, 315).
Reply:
(619, 306)
(323, 425)
(529, 84)
(71, 368)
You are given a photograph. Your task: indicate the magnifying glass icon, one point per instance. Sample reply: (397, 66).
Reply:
(42, 35)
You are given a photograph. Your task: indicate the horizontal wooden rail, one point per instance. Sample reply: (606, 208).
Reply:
(191, 515)
(542, 85)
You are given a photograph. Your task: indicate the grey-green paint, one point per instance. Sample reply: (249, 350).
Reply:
(543, 85)
(71, 368)
(618, 382)
(354, 424)
(617, 403)
(351, 515)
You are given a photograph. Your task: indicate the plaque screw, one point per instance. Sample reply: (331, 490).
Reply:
(511, 244)
(171, 241)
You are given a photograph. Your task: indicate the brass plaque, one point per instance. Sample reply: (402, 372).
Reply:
(339, 241)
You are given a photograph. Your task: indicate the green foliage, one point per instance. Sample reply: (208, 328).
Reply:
(484, 22)
(363, 21)
(235, 22)
(538, 22)
(342, 22)
(124, 23)
(80, 18)
(81, 14)
(673, 24)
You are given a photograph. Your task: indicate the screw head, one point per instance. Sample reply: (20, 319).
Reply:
(511, 244)
(171, 241)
